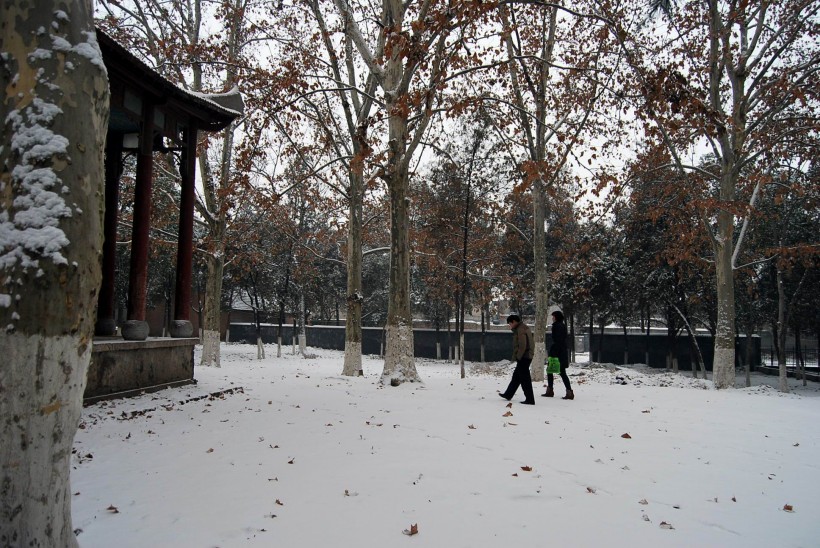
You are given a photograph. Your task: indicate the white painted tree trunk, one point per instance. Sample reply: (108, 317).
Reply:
(461, 352)
(279, 346)
(210, 348)
(213, 310)
(302, 319)
(260, 349)
(399, 364)
(353, 359)
(47, 374)
(54, 117)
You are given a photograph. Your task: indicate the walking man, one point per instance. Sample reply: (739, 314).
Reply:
(522, 356)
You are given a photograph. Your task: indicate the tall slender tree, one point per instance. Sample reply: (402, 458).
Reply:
(738, 78)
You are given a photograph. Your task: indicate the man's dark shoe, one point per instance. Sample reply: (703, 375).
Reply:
(508, 398)
(525, 402)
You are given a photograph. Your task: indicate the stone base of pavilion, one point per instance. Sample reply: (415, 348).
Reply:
(121, 368)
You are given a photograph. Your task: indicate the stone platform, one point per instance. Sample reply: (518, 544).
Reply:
(121, 368)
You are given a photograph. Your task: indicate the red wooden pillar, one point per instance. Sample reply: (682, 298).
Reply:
(181, 326)
(106, 326)
(136, 328)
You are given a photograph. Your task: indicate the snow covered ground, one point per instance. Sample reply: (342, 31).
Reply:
(292, 454)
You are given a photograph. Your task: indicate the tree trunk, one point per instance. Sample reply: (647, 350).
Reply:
(749, 330)
(484, 317)
(449, 343)
(648, 333)
(293, 333)
(213, 308)
(723, 368)
(53, 136)
(591, 332)
(399, 363)
(539, 245)
(302, 321)
(353, 322)
(781, 334)
(626, 346)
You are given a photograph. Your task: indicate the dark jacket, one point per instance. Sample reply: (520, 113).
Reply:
(558, 348)
(522, 342)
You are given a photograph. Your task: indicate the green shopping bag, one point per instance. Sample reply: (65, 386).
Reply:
(553, 366)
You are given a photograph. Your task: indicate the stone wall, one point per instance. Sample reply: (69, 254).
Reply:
(498, 344)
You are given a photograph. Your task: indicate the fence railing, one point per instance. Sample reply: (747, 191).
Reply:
(804, 358)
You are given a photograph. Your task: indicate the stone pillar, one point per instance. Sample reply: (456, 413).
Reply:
(182, 326)
(106, 326)
(136, 328)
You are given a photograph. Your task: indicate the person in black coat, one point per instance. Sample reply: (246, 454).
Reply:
(559, 350)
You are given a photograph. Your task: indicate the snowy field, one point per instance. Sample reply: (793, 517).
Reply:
(292, 454)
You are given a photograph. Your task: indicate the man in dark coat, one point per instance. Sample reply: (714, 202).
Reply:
(522, 356)
(559, 350)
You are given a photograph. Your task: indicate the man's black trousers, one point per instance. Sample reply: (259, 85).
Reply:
(521, 377)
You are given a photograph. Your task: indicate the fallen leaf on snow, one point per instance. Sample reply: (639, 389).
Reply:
(665, 525)
(645, 411)
(211, 450)
(527, 468)
(113, 509)
(788, 508)
(291, 460)
(626, 436)
(471, 426)
(591, 490)
(795, 445)
(279, 502)
(507, 414)
(509, 405)
(643, 501)
(734, 499)
(645, 517)
(414, 530)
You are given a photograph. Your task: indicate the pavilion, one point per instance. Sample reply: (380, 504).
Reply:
(148, 114)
